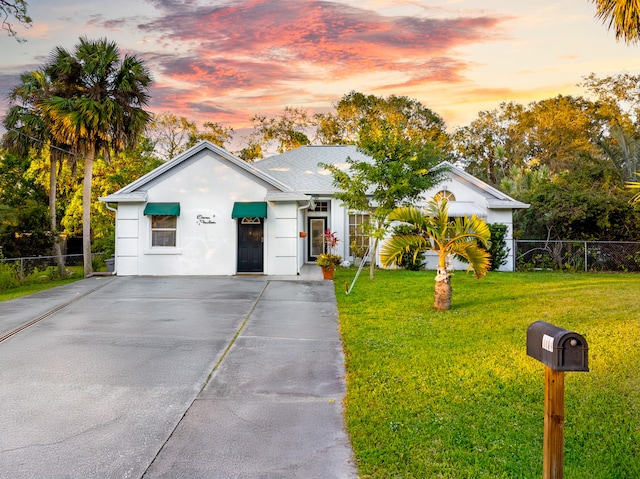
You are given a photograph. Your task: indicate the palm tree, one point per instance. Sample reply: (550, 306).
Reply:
(623, 16)
(29, 129)
(449, 237)
(104, 110)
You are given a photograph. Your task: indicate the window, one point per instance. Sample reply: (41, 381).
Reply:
(358, 240)
(320, 206)
(163, 230)
(447, 195)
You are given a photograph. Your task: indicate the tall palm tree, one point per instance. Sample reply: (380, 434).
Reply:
(462, 238)
(623, 16)
(29, 129)
(103, 112)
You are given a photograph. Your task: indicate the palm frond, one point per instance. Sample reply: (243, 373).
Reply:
(392, 250)
(461, 237)
(634, 185)
(621, 15)
(478, 258)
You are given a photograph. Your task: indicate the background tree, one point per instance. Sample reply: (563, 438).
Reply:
(281, 134)
(342, 127)
(559, 133)
(29, 128)
(618, 110)
(105, 110)
(491, 144)
(24, 227)
(356, 110)
(171, 135)
(216, 133)
(588, 203)
(462, 238)
(621, 15)
(16, 9)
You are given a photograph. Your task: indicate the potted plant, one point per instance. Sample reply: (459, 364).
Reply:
(329, 261)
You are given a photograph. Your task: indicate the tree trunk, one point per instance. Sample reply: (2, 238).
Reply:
(373, 256)
(53, 187)
(86, 211)
(442, 296)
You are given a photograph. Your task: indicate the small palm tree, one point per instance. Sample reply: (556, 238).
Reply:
(463, 238)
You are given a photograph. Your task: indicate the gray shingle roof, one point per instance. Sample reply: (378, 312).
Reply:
(299, 170)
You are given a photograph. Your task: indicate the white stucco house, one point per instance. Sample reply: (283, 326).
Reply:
(207, 212)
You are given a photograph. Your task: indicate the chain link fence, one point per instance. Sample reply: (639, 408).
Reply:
(577, 255)
(27, 265)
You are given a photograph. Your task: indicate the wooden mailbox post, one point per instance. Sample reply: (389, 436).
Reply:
(559, 350)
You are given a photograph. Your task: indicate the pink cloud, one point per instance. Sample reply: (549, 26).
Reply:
(245, 48)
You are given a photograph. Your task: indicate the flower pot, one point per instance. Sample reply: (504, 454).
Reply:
(327, 273)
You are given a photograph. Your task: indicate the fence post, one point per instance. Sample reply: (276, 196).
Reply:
(586, 257)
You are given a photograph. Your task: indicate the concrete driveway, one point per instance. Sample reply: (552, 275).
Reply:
(155, 377)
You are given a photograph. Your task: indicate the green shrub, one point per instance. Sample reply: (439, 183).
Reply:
(498, 248)
(410, 260)
(8, 276)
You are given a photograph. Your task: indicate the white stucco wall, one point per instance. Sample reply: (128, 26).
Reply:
(282, 239)
(206, 187)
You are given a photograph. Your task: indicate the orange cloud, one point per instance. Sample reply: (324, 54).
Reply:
(222, 56)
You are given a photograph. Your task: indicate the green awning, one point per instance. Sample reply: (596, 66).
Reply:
(255, 209)
(162, 209)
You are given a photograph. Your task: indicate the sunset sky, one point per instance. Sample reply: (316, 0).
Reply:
(225, 61)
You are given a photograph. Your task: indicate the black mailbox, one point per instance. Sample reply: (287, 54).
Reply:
(557, 348)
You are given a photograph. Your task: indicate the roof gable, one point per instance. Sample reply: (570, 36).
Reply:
(135, 190)
(495, 198)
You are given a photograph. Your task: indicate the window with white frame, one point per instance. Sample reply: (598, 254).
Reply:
(444, 194)
(164, 230)
(358, 237)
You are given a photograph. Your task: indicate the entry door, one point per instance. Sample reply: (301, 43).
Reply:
(317, 227)
(250, 245)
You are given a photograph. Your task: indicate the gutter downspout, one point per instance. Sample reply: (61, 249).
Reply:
(115, 210)
(106, 205)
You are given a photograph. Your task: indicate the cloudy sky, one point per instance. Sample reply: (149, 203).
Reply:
(224, 61)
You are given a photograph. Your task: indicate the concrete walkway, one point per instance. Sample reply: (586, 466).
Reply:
(155, 377)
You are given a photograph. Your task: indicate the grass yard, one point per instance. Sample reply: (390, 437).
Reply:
(454, 395)
(39, 281)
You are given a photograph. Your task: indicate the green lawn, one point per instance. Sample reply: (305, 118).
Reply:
(454, 395)
(40, 281)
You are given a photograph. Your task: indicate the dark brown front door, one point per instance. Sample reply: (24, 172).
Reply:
(250, 245)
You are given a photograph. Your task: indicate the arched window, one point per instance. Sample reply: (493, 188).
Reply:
(444, 194)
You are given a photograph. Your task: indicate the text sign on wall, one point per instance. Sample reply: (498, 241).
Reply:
(208, 218)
